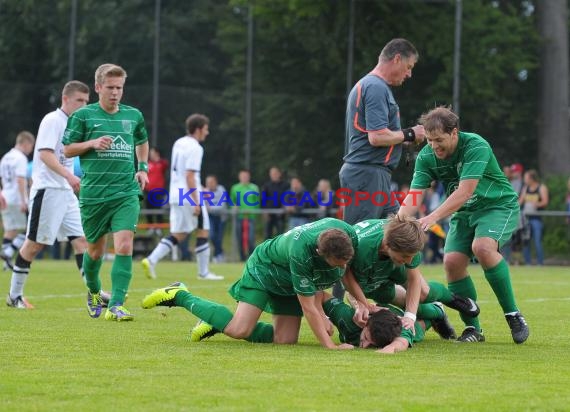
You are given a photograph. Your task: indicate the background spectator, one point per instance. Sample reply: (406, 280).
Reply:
(534, 197)
(297, 204)
(516, 177)
(324, 198)
(157, 167)
(245, 196)
(273, 189)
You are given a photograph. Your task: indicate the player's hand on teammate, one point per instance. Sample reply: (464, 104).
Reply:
(3, 204)
(24, 207)
(361, 314)
(427, 221)
(102, 143)
(408, 323)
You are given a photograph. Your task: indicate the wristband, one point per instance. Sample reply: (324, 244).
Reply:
(143, 167)
(409, 135)
(410, 315)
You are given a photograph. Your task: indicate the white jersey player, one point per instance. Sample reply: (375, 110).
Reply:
(13, 172)
(54, 208)
(187, 209)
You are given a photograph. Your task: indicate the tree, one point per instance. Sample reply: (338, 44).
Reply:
(554, 114)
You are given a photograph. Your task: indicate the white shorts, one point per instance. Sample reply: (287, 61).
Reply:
(54, 213)
(182, 219)
(12, 218)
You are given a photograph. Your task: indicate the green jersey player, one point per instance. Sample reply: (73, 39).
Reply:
(484, 211)
(281, 277)
(106, 136)
(383, 261)
(383, 329)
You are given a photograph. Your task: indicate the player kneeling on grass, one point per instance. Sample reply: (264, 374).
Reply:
(281, 277)
(389, 254)
(383, 328)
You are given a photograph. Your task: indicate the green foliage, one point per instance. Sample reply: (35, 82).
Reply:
(557, 229)
(57, 358)
(300, 74)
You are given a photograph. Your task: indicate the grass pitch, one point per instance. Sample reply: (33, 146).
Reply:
(57, 358)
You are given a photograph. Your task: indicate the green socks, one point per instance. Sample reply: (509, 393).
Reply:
(438, 293)
(262, 333)
(220, 316)
(427, 311)
(121, 274)
(466, 288)
(210, 312)
(91, 270)
(500, 280)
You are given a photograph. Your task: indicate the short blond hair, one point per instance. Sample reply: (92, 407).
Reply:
(25, 137)
(108, 70)
(404, 234)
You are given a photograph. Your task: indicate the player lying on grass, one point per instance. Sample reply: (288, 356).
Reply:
(281, 277)
(389, 254)
(384, 329)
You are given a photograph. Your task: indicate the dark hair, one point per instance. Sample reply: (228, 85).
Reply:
(440, 119)
(336, 244)
(384, 327)
(196, 121)
(402, 47)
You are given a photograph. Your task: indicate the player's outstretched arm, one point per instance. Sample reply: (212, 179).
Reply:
(452, 204)
(398, 345)
(318, 323)
(412, 202)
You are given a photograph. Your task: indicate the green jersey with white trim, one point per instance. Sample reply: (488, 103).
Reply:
(473, 159)
(371, 270)
(107, 174)
(289, 264)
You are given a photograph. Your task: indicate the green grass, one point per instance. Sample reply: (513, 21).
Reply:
(57, 358)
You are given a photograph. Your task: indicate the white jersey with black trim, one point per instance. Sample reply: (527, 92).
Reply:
(14, 164)
(50, 135)
(187, 156)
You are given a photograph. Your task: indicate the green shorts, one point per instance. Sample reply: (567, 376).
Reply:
(497, 223)
(249, 290)
(387, 292)
(112, 216)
